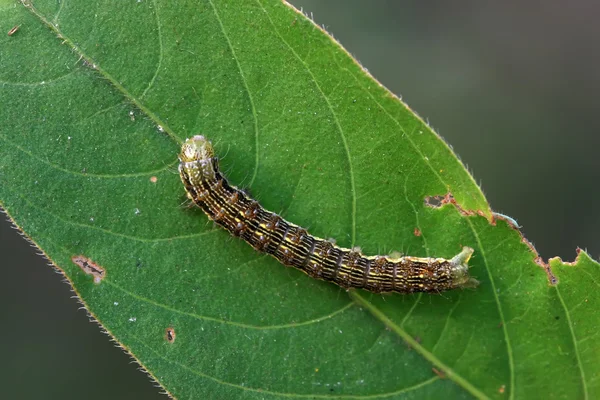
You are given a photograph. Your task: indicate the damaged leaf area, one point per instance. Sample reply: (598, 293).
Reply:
(96, 103)
(90, 268)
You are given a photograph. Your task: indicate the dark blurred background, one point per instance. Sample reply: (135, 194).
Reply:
(514, 87)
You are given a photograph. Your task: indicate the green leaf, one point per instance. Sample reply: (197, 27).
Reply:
(96, 101)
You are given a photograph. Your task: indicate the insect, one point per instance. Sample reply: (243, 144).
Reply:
(293, 246)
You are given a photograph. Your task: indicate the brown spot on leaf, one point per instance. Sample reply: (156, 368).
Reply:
(89, 267)
(501, 389)
(440, 201)
(14, 30)
(153, 179)
(170, 334)
(417, 232)
(439, 373)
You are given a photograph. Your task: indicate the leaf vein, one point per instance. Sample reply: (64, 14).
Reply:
(87, 174)
(509, 350)
(575, 343)
(117, 234)
(160, 50)
(286, 394)
(89, 60)
(450, 373)
(335, 119)
(40, 83)
(245, 82)
(231, 323)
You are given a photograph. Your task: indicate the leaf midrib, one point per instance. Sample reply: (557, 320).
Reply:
(450, 373)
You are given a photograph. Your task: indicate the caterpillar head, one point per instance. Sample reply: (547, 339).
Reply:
(197, 158)
(196, 148)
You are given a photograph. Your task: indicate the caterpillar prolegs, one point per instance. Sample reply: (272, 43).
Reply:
(293, 246)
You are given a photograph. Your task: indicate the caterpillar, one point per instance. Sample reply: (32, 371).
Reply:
(293, 246)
